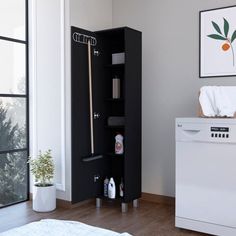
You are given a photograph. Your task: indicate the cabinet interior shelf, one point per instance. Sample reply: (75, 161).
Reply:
(118, 198)
(114, 155)
(115, 126)
(114, 99)
(115, 65)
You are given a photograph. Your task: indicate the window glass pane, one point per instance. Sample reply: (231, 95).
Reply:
(13, 177)
(12, 64)
(12, 123)
(12, 19)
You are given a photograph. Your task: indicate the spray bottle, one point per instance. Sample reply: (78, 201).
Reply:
(119, 146)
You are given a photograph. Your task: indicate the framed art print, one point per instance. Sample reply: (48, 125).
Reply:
(218, 42)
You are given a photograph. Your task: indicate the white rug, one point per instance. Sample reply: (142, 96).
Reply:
(59, 228)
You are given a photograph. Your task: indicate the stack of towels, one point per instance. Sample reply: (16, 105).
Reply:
(218, 101)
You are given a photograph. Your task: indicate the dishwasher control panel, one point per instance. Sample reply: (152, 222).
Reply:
(220, 132)
(206, 130)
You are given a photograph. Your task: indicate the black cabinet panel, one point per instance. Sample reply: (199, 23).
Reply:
(83, 173)
(127, 166)
(133, 114)
(80, 96)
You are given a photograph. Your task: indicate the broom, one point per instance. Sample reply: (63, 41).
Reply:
(92, 156)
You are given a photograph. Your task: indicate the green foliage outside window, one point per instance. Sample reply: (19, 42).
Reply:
(13, 166)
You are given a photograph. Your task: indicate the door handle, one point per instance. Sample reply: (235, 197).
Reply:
(96, 115)
(192, 131)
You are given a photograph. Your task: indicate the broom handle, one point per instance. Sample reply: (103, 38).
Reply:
(90, 97)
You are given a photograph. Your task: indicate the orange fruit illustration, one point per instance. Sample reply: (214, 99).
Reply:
(225, 47)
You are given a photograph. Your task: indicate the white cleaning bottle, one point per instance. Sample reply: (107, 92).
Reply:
(119, 146)
(112, 189)
(106, 182)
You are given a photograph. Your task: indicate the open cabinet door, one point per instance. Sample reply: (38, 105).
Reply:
(87, 176)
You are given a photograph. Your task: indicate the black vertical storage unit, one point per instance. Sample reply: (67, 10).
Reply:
(88, 175)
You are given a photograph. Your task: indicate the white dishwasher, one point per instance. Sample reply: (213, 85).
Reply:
(206, 175)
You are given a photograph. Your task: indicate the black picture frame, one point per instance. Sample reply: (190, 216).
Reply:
(203, 73)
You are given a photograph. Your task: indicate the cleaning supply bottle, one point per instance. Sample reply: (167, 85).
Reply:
(121, 188)
(106, 182)
(112, 189)
(119, 146)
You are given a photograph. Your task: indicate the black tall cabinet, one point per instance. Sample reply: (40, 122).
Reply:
(88, 175)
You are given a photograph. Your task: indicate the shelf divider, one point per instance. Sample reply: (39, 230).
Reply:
(114, 99)
(114, 154)
(115, 65)
(115, 127)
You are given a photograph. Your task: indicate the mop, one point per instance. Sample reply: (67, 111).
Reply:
(92, 156)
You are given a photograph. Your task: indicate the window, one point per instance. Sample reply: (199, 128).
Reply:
(14, 141)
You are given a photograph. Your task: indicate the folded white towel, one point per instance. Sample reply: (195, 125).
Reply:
(218, 100)
(223, 103)
(207, 101)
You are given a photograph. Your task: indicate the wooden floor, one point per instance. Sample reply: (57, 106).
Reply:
(150, 219)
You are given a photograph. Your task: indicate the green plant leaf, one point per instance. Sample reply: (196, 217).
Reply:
(226, 27)
(233, 36)
(217, 28)
(42, 168)
(216, 36)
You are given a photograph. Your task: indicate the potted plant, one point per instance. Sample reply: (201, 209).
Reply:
(44, 192)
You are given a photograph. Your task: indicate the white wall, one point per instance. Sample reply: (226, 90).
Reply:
(170, 77)
(49, 46)
(91, 14)
(48, 24)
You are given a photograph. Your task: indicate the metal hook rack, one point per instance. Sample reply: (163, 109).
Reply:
(83, 38)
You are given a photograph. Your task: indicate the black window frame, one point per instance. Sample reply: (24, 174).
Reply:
(26, 96)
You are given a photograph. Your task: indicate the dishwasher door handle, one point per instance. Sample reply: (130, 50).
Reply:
(191, 131)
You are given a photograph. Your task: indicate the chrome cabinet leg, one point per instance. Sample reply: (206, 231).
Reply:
(124, 207)
(98, 202)
(135, 203)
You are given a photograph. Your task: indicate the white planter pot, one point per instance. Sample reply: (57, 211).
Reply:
(44, 198)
